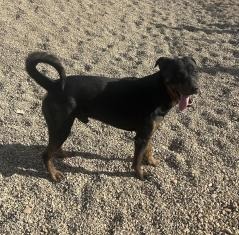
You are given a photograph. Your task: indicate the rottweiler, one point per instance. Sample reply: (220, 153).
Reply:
(131, 104)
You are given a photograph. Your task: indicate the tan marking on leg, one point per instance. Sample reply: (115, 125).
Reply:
(148, 155)
(48, 156)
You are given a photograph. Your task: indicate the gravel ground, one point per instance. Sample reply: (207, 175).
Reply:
(194, 190)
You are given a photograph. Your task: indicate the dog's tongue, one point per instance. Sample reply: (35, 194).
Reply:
(183, 102)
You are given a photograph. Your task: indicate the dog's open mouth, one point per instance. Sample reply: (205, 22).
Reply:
(184, 102)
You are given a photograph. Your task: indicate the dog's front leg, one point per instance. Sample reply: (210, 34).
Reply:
(148, 155)
(142, 141)
(140, 147)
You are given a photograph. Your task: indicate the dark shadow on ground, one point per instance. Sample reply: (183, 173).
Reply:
(27, 161)
(208, 29)
(216, 69)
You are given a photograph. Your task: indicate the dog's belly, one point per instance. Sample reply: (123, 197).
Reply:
(122, 119)
(127, 124)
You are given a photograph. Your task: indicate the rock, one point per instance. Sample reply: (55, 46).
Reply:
(28, 210)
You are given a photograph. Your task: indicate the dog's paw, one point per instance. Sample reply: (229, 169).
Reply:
(56, 176)
(153, 162)
(139, 173)
(150, 161)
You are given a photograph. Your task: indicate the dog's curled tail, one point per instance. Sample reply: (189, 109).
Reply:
(34, 59)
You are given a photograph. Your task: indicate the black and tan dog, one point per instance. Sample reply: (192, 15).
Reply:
(130, 104)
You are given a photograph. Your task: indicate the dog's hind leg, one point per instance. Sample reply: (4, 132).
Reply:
(59, 125)
(57, 136)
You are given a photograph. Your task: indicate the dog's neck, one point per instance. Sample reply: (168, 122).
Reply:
(172, 93)
(174, 96)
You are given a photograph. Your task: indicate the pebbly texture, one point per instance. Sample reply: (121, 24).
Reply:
(194, 190)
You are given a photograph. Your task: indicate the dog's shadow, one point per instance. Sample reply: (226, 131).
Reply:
(27, 161)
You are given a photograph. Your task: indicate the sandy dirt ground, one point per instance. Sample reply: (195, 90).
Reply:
(194, 190)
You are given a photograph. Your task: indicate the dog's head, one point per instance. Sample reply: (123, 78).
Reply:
(180, 76)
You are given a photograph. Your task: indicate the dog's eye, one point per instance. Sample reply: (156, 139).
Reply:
(194, 73)
(193, 70)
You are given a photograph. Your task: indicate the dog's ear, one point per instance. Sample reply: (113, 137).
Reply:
(193, 60)
(190, 58)
(162, 62)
